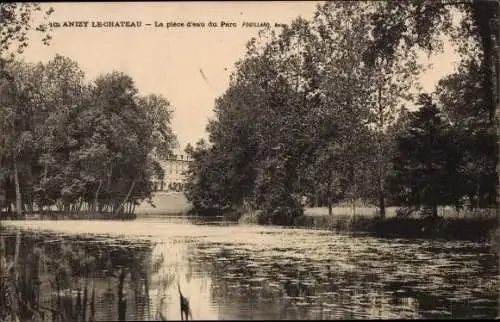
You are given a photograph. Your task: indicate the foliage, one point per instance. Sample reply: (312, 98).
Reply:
(463, 103)
(403, 25)
(15, 24)
(315, 111)
(425, 164)
(287, 86)
(78, 146)
(210, 193)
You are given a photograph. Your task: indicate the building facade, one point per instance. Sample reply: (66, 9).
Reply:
(174, 173)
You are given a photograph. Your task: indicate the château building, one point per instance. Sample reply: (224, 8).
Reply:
(175, 177)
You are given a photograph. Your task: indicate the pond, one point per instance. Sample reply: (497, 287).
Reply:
(231, 271)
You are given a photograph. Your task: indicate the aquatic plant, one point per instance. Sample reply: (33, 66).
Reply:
(20, 287)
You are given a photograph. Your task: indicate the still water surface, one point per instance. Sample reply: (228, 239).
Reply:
(255, 272)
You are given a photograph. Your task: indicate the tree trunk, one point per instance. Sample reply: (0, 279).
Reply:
(19, 203)
(96, 196)
(379, 157)
(354, 194)
(109, 173)
(382, 205)
(126, 197)
(329, 192)
(29, 203)
(80, 204)
(353, 208)
(381, 195)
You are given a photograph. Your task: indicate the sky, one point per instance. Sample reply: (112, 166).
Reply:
(190, 66)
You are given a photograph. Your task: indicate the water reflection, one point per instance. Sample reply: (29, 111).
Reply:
(83, 277)
(249, 272)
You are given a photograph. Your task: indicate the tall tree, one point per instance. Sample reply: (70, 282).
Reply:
(402, 25)
(460, 95)
(160, 138)
(17, 114)
(345, 84)
(426, 160)
(15, 25)
(391, 81)
(60, 98)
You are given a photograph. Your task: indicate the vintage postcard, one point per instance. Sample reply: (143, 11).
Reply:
(249, 160)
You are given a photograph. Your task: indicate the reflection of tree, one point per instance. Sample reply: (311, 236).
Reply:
(66, 274)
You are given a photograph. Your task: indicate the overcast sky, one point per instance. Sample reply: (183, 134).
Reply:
(169, 61)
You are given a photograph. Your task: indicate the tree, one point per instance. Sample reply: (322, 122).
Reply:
(307, 90)
(17, 113)
(318, 93)
(425, 165)
(344, 82)
(74, 145)
(15, 24)
(206, 186)
(462, 100)
(391, 81)
(111, 128)
(402, 25)
(268, 87)
(161, 139)
(60, 97)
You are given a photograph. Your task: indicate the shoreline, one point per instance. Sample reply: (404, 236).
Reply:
(474, 229)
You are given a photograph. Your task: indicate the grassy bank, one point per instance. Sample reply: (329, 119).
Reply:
(477, 226)
(165, 203)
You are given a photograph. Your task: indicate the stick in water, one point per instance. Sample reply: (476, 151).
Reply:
(185, 309)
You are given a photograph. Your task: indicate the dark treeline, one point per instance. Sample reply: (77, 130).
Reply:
(76, 147)
(323, 111)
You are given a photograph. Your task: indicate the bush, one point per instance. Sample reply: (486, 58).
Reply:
(280, 211)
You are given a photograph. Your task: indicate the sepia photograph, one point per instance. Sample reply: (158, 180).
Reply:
(249, 160)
